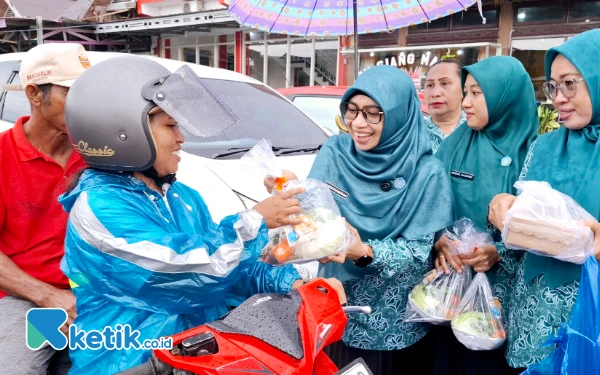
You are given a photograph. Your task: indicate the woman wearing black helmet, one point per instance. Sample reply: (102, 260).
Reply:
(142, 249)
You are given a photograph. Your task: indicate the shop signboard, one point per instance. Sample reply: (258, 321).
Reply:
(416, 63)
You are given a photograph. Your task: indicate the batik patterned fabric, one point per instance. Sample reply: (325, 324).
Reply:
(400, 265)
(536, 310)
(436, 135)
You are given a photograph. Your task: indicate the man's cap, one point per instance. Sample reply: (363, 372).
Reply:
(56, 63)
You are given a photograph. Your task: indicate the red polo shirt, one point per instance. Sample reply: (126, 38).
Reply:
(32, 222)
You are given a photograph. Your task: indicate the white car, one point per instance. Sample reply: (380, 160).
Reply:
(212, 165)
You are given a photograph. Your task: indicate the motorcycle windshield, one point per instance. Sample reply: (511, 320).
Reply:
(190, 102)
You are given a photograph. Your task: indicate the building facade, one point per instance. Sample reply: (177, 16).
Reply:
(523, 29)
(202, 31)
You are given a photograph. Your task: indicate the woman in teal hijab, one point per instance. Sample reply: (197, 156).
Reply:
(390, 187)
(482, 160)
(485, 158)
(569, 159)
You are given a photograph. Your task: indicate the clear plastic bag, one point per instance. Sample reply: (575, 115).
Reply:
(547, 222)
(261, 157)
(478, 323)
(436, 299)
(323, 232)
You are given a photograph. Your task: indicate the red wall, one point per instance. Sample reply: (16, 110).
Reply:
(142, 2)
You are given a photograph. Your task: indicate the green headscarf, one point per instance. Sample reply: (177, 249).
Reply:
(487, 162)
(418, 201)
(570, 159)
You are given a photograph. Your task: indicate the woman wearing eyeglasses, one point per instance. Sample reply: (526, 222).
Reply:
(390, 187)
(569, 159)
(482, 160)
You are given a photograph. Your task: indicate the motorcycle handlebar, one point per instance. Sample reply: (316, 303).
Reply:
(363, 309)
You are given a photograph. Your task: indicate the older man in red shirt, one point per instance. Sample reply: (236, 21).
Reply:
(37, 162)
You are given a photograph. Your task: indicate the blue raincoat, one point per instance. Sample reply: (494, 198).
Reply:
(157, 263)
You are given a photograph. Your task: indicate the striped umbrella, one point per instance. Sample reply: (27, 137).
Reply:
(341, 17)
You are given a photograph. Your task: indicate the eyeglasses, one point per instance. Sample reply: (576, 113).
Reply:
(568, 87)
(371, 113)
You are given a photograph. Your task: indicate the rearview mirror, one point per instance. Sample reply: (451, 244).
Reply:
(340, 124)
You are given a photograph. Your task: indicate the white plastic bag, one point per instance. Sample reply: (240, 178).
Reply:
(437, 297)
(478, 323)
(547, 222)
(324, 232)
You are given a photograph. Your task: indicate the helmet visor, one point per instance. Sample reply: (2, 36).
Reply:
(190, 102)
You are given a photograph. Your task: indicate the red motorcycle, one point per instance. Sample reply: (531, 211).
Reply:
(268, 334)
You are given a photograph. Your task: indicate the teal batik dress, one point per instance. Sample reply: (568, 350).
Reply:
(398, 266)
(436, 135)
(536, 310)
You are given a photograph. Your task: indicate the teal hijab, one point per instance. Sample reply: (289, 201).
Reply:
(487, 162)
(570, 159)
(419, 201)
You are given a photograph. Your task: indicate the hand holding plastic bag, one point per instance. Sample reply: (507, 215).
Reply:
(436, 299)
(323, 231)
(547, 222)
(261, 157)
(478, 323)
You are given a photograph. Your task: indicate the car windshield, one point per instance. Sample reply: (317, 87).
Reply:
(262, 114)
(322, 109)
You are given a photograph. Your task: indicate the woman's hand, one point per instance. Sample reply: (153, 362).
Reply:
(445, 257)
(595, 227)
(336, 258)
(356, 250)
(482, 259)
(277, 209)
(270, 182)
(498, 208)
(335, 284)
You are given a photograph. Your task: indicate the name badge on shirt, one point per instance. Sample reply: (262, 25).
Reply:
(463, 175)
(336, 190)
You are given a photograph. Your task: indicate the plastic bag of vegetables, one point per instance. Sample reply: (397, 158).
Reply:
(436, 299)
(323, 231)
(478, 324)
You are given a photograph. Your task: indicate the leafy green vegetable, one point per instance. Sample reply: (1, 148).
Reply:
(425, 299)
(475, 323)
(548, 117)
(321, 215)
(330, 237)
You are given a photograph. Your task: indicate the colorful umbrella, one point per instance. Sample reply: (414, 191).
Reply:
(338, 17)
